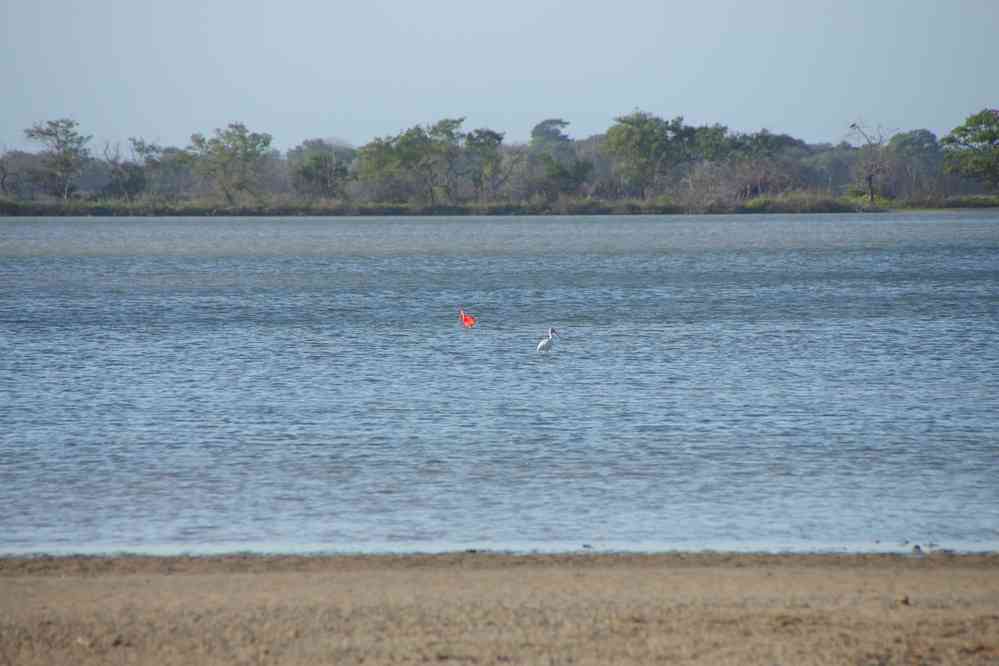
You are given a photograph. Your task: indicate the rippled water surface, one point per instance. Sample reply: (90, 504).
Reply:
(798, 382)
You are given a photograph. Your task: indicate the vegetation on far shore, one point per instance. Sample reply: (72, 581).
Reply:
(643, 164)
(788, 203)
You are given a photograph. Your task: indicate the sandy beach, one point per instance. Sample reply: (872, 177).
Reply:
(494, 608)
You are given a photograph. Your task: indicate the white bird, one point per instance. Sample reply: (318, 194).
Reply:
(548, 341)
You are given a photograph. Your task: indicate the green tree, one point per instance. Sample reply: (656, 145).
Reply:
(427, 158)
(561, 178)
(830, 167)
(65, 151)
(379, 168)
(230, 159)
(917, 161)
(547, 138)
(972, 149)
(647, 148)
(414, 155)
(485, 161)
(764, 144)
(764, 163)
(446, 149)
(320, 168)
(711, 143)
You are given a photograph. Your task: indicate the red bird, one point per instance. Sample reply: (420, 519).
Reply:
(467, 320)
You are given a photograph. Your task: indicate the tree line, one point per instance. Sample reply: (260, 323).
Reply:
(642, 160)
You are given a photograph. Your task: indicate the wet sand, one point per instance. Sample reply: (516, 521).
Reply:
(484, 608)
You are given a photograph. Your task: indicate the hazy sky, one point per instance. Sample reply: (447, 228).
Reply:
(299, 69)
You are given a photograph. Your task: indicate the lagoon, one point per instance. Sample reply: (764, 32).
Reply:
(823, 382)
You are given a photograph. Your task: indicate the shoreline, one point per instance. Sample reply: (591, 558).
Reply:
(41, 564)
(786, 205)
(558, 549)
(489, 608)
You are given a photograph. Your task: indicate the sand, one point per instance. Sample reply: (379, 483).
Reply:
(483, 608)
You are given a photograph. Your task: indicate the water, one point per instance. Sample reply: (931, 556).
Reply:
(745, 383)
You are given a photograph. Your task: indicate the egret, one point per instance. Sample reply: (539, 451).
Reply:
(548, 341)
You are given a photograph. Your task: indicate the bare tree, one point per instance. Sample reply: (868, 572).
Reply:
(126, 175)
(874, 162)
(7, 173)
(709, 186)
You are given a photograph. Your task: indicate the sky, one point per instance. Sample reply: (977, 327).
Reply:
(302, 69)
